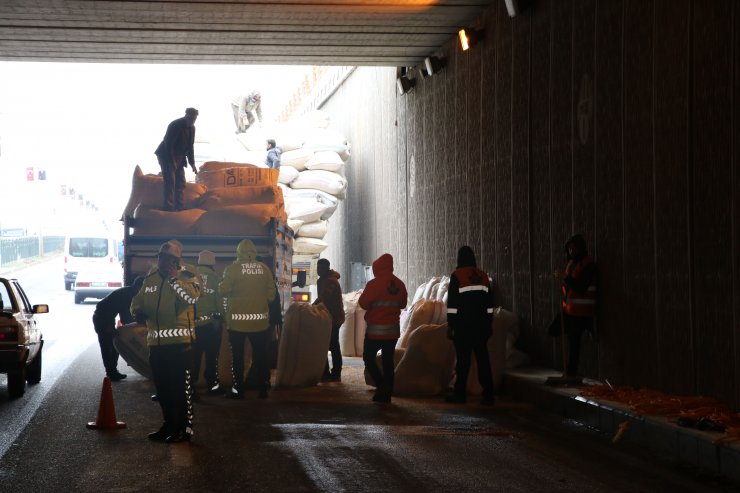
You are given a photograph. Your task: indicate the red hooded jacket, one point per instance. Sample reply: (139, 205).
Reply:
(383, 297)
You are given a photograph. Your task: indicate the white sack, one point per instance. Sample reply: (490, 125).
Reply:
(295, 225)
(316, 229)
(296, 158)
(325, 181)
(327, 199)
(287, 174)
(428, 363)
(326, 160)
(308, 246)
(305, 210)
(303, 344)
(326, 140)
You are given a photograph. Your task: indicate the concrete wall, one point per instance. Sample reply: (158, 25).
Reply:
(619, 120)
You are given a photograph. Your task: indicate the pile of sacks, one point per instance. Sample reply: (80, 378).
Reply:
(424, 356)
(311, 174)
(229, 199)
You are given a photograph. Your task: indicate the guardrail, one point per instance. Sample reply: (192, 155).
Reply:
(25, 247)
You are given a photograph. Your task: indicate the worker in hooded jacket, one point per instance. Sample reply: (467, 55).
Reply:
(578, 303)
(469, 317)
(208, 312)
(330, 295)
(166, 303)
(248, 287)
(383, 299)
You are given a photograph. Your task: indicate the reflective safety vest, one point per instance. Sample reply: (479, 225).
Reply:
(579, 303)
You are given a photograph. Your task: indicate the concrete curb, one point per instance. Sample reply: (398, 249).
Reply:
(687, 445)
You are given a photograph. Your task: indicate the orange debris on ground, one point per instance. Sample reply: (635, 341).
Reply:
(702, 413)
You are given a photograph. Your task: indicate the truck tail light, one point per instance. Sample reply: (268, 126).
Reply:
(114, 284)
(83, 284)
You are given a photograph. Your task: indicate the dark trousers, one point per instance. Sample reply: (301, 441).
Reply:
(384, 380)
(174, 184)
(171, 366)
(260, 363)
(105, 333)
(467, 342)
(336, 353)
(208, 343)
(573, 327)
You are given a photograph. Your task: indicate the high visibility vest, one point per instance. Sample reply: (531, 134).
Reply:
(579, 303)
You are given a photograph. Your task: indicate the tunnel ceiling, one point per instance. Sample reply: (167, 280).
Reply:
(335, 32)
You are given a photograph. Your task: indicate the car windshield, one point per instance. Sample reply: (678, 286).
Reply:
(88, 247)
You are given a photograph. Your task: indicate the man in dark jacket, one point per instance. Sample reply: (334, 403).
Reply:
(104, 321)
(330, 295)
(273, 155)
(469, 317)
(173, 154)
(578, 304)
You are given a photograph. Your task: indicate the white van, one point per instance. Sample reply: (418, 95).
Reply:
(86, 251)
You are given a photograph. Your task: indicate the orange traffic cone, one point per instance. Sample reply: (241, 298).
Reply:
(107, 411)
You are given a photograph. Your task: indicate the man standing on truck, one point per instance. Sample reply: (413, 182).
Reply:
(248, 288)
(247, 109)
(104, 321)
(330, 295)
(208, 323)
(173, 154)
(166, 303)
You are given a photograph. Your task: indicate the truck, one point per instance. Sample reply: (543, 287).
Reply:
(274, 248)
(304, 277)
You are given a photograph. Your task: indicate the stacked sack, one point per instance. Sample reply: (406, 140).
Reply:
(425, 357)
(311, 174)
(352, 331)
(229, 199)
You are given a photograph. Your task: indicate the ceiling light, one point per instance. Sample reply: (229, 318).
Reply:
(404, 84)
(433, 64)
(469, 37)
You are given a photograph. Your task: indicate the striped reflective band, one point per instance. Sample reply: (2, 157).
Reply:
(376, 304)
(452, 310)
(383, 329)
(203, 318)
(183, 294)
(249, 316)
(171, 333)
(476, 287)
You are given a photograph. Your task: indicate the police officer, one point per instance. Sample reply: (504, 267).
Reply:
(166, 304)
(104, 320)
(248, 287)
(208, 322)
(383, 297)
(469, 317)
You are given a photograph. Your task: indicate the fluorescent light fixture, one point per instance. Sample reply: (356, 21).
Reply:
(464, 42)
(404, 84)
(433, 64)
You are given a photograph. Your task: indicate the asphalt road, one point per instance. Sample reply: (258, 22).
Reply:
(330, 437)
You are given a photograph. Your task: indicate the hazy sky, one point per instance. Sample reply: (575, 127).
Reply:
(88, 125)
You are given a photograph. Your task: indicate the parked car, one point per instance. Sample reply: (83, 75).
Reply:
(98, 282)
(20, 338)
